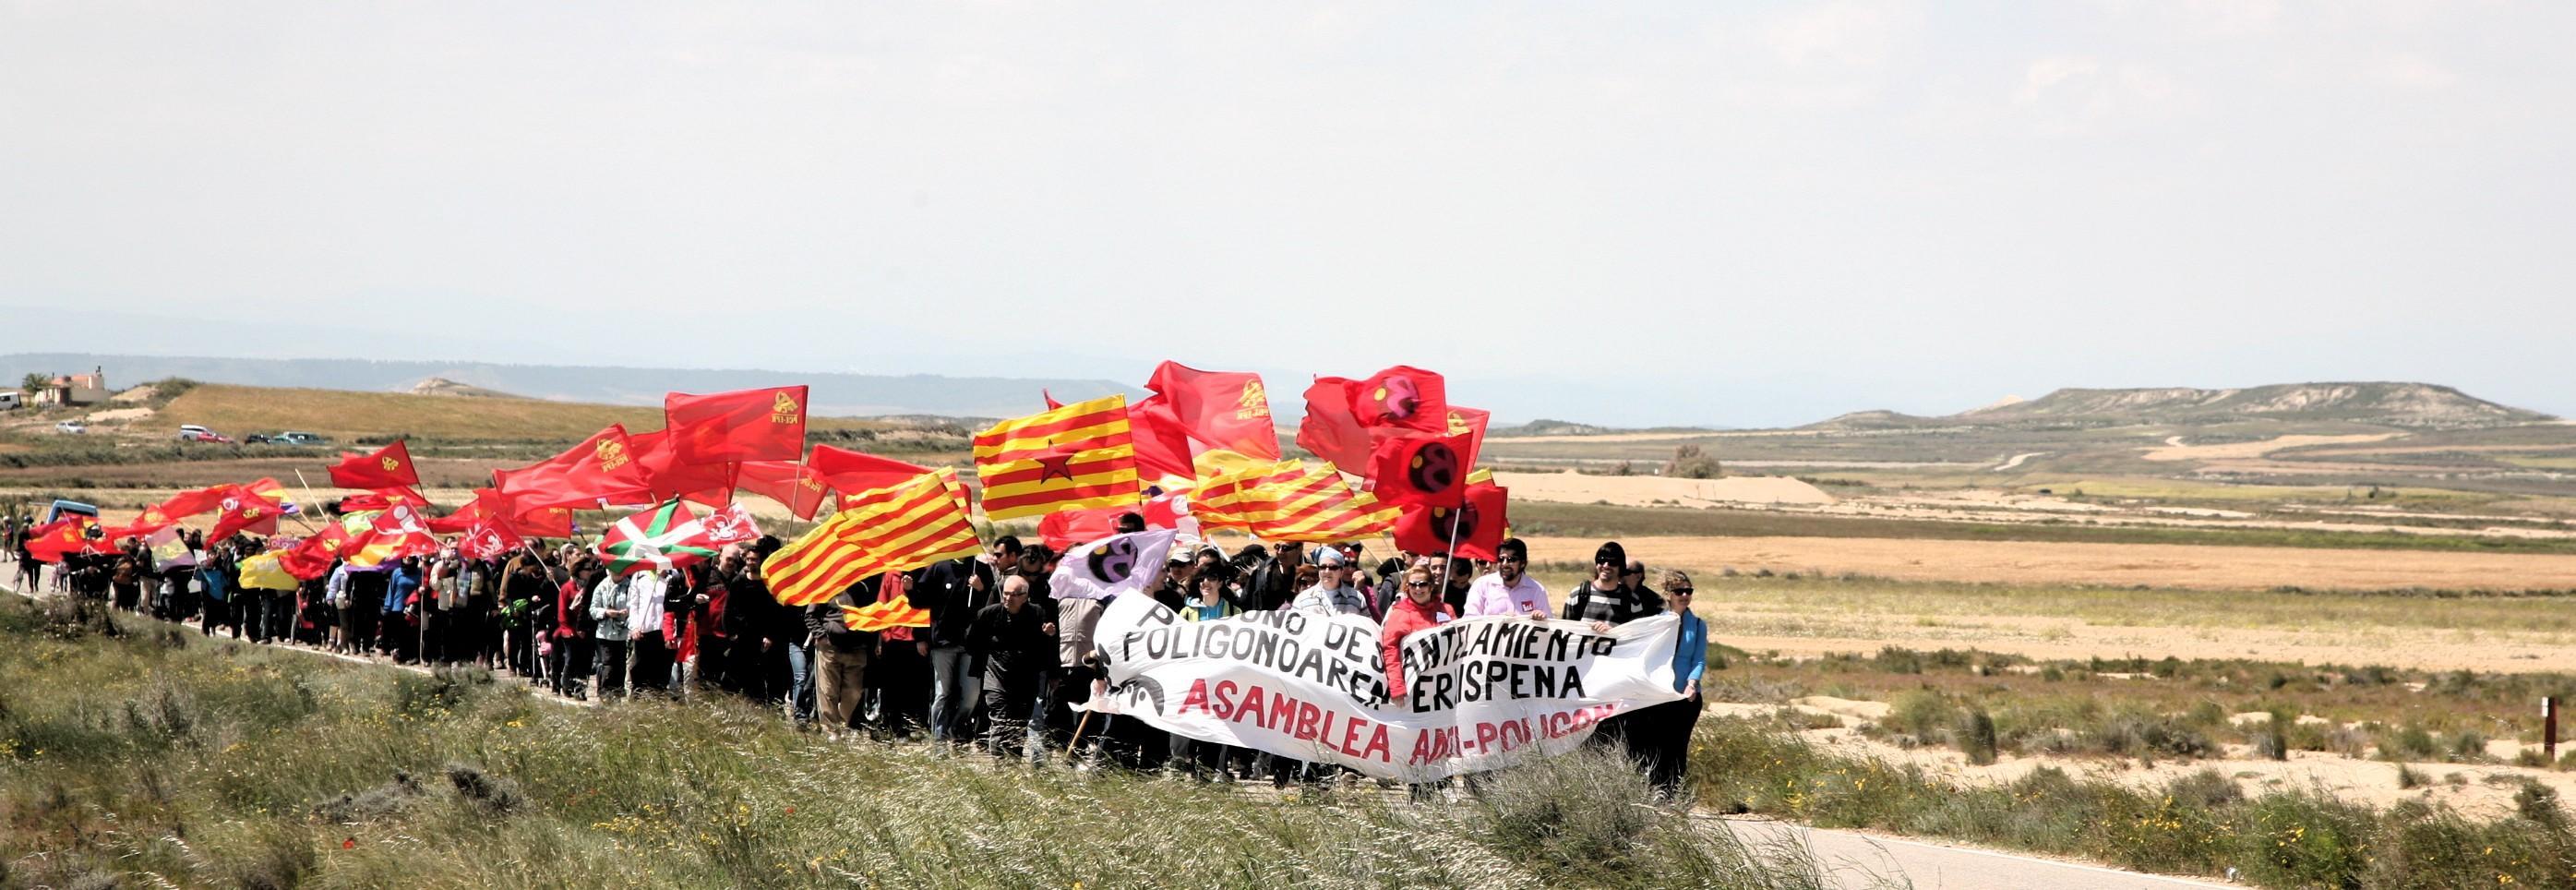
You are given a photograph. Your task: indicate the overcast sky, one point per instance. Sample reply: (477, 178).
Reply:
(1630, 213)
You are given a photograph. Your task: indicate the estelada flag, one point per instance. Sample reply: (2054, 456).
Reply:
(1428, 470)
(667, 476)
(1219, 409)
(1078, 456)
(244, 510)
(1478, 524)
(601, 468)
(388, 467)
(851, 471)
(893, 529)
(798, 487)
(746, 424)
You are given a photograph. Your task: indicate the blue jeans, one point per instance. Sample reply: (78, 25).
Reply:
(800, 695)
(956, 686)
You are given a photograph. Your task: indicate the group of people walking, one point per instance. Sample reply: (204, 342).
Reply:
(1001, 664)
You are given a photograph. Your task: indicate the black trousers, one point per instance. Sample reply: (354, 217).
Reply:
(1008, 700)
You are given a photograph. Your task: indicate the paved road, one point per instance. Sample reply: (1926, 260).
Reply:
(1855, 861)
(1851, 860)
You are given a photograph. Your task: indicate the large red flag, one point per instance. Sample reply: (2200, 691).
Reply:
(1220, 409)
(1476, 524)
(1162, 441)
(1420, 470)
(602, 467)
(746, 424)
(244, 510)
(1329, 430)
(191, 503)
(490, 539)
(388, 467)
(668, 477)
(1402, 396)
(798, 486)
(853, 472)
(77, 533)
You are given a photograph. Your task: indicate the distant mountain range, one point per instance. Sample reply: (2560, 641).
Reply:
(833, 395)
(2416, 405)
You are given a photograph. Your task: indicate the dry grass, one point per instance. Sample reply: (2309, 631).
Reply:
(347, 416)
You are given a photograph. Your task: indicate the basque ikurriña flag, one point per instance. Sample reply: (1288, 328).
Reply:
(673, 535)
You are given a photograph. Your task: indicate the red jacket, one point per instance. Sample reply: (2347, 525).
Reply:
(1402, 618)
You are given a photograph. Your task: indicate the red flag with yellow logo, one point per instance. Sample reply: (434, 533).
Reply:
(746, 424)
(388, 467)
(1219, 409)
(244, 509)
(801, 488)
(602, 467)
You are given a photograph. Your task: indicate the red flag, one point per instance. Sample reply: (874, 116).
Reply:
(602, 467)
(1477, 524)
(1420, 470)
(311, 557)
(746, 424)
(76, 533)
(1070, 527)
(244, 510)
(1220, 409)
(668, 477)
(799, 487)
(1329, 430)
(852, 472)
(190, 503)
(1402, 396)
(1469, 422)
(388, 467)
(1162, 441)
(490, 505)
(489, 540)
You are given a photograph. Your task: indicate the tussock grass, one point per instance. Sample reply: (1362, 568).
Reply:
(247, 766)
(2299, 838)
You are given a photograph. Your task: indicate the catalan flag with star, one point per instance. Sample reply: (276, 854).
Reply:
(1078, 456)
(1288, 501)
(897, 528)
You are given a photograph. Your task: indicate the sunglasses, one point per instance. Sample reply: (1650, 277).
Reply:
(1417, 583)
(1679, 591)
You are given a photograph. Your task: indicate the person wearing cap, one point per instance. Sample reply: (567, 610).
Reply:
(1508, 589)
(1332, 593)
(1604, 601)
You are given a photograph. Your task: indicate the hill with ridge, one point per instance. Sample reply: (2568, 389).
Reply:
(2402, 405)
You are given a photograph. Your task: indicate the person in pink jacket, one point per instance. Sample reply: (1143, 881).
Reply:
(1419, 607)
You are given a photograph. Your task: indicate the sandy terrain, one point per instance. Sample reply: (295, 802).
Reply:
(2158, 565)
(2369, 782)
(1640, 491)
(2178, 452)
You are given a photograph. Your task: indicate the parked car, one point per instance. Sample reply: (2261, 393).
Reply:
(71, 426)
(189, 432)
(290, 437)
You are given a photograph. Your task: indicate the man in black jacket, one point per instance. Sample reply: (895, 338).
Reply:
(954, 592)
(1017, 642)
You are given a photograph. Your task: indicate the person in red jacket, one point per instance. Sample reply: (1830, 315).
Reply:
(1420, 607)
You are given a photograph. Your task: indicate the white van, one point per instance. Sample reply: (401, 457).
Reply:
(11, 399)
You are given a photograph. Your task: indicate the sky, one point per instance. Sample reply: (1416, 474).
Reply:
(1741, 214)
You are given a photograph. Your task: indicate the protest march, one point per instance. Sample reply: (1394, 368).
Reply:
(1152, 585)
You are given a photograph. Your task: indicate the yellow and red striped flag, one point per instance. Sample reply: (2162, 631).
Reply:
(1287, 501)
(897, 528)
(884, 615)
(1079, 456)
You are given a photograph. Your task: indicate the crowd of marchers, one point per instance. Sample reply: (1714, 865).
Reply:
(1002, 665)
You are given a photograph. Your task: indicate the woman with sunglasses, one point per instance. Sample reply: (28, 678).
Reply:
(1667, 727)
(1420, 607)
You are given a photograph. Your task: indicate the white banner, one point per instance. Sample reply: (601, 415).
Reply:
(1480, 692)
